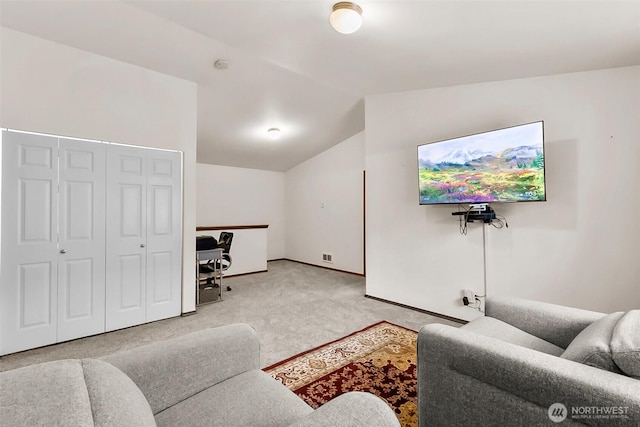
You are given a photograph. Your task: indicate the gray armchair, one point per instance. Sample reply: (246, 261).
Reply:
(206, 378)
(509, 367)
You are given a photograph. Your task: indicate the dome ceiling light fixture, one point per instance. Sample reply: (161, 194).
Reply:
(346, 17)
(273, 133)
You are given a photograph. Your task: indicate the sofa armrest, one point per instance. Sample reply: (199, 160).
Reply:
(171, 371)
(556, 324)
(478, 380)
(353, 409)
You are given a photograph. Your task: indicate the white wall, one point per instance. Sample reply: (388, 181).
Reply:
(239, 196)
(51, 88)
(324, 207)
(314, 208)
(580, 248)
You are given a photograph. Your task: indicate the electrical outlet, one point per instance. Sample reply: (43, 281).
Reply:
(327, 258)
(468, 297)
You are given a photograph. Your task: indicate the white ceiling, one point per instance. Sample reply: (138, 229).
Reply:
(290, 69)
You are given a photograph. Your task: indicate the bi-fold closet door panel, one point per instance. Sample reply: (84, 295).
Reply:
(126, 236)
(28, 287)
(144, 235)
(52, 280)
(81, 239)
(164, 234)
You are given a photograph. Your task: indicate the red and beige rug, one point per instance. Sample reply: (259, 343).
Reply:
(380, 359)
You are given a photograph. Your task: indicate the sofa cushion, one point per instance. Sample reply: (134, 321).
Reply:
(252, 399)
(592, 346)
(168, 372)
(115, 399)
(72, 392)
(52, 393)
(490, 327)
(625, 344)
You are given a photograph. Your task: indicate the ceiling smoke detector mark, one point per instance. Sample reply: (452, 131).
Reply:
(221, 64)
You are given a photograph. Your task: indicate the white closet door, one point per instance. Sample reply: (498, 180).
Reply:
(81, 266)
(164, 234)
(126, 236)
(28, 291)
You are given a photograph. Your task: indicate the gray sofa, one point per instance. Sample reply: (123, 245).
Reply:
(207, 378)
(531, 363)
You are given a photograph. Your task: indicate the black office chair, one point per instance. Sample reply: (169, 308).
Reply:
(217, 265)
(224, 242)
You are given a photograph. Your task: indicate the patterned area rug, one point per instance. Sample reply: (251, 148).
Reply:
(380, 359)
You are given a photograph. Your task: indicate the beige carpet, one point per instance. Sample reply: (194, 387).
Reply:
(293, 306)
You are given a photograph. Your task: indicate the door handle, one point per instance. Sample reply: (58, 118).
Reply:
(142, 245)
(63, 251)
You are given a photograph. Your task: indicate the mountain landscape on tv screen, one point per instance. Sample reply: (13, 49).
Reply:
(470, 175)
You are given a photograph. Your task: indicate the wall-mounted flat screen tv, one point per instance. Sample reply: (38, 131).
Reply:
(503, 165)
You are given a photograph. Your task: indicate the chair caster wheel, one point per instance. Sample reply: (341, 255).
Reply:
(228, 288)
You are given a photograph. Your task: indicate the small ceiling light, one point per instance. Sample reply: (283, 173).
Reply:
(346, 17)
(273, 133)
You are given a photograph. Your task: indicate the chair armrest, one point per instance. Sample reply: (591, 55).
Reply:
(353, 409)
(556, 324)
(171, 371)
(492, 382)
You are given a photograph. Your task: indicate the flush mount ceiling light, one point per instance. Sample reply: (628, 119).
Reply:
(273, 133)
(346, 17)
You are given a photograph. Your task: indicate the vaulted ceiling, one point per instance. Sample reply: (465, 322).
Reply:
(289, 69)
